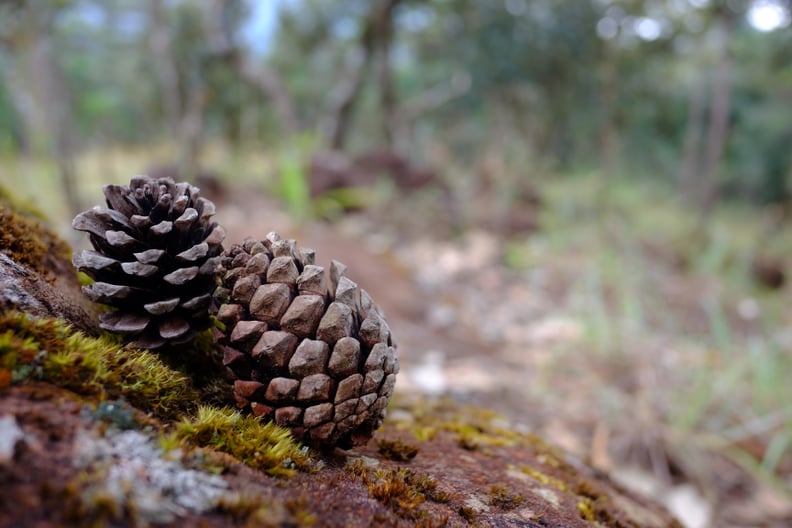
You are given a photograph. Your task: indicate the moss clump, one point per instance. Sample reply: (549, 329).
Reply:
(401, 490)
(263, 446)
(474, 427)
(586, 508)
(50, 350)
(501, 498)
(467, 513)
(392, 487)
(396, 450)
(202, 361)
(547, 480)
(251, 510)
(428, 486)
(28, 243)
(18, 357)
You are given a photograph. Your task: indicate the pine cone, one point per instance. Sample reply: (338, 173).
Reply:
(156, 256)
(307, 349)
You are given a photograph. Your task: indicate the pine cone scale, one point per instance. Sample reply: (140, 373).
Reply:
(304, 345)
(313, 339)
(125, 324)
(150, 256)
(162, 307)
(154, 260)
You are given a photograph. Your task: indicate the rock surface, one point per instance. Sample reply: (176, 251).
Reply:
(434, 463)
(36, 275)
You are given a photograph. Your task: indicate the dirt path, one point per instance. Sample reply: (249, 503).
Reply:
(468, 328)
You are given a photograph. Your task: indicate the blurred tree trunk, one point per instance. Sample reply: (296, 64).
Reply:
(13, 44)
(718, 126)
(269, 82)
(687, 181)
(21, 99)
(387, 89)
(609, 77)
(256, 73)
(45, 110)
(375, 37)
(427, 101)
(184, 98)
(165, 64)
(707, 126)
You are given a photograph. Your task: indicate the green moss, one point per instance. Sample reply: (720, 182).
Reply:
(263, 446)
(25, 241)
(428, 486)
(401, 490)
(51, 350)
(392, 487)
(473, 427)
(202, 361)
(252, 510)
(586, 509)
(24, 207)
(396, 450)
(17, 358)
(547, 480)
(501, 498)
(467, 513)
(83, 279)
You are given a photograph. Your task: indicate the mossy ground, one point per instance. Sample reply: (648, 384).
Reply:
(26, 240)
(45, 360)
(446, 465)
(263, 446)
(97, 368)
(101, 369)
(434, 464)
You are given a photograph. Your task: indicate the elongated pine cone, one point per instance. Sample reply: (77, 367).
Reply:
(307, 349)
(156, 253)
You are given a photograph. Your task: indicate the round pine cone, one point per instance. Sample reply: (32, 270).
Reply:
(156, 255)
(308, 349)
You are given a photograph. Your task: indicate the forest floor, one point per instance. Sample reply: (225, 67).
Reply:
(619, 327)
(624, 351)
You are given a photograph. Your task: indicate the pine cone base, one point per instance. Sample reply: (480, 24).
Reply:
(305, 348)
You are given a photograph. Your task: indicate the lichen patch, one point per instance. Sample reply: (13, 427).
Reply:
(128, 468)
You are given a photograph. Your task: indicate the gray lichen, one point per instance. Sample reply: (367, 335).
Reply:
(133, 471)
(10, 434)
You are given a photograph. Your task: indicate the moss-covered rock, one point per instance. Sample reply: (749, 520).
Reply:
(95, 433)
(36, 274)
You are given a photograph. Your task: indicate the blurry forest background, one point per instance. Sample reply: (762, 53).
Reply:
(587, 202)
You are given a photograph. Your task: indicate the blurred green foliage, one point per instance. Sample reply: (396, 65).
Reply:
(570, 83)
